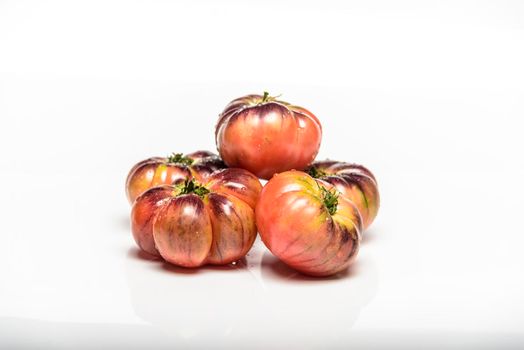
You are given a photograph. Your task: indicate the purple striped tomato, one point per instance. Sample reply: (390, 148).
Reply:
(192, 224)
(307, 224)
(267, 136)
(170, 170)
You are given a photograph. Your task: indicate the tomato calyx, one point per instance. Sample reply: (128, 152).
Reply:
(316, 173)
(266, 98)
(178, 158)
(191, 186)
(330, 199)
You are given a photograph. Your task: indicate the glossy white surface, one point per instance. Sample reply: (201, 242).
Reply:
(435, 112)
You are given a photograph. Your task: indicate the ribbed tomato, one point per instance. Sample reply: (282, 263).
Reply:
(307, 224)
(192, 224)
(267, 136)
(353, 181)
(170, 170)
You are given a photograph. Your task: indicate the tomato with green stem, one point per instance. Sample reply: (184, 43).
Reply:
(354, 182)
(169, 170)
(307, 224)
(267, 136)
(192, 224)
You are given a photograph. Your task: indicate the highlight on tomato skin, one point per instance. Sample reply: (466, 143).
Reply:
(191, 224)
(353, 181)
(307, 224)
(169, 170)
(267, 136)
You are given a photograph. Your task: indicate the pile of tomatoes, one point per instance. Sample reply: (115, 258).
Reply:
(199, 208)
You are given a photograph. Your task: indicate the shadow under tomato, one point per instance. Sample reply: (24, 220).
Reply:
(124, 223)
(238, 265)
(163, 265)
(282, 271)
(141, 255)
(370, 236)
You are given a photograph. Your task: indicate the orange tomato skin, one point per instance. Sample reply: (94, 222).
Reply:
(192, 229)
(157, 171)
(353, 181)
(267, 136)
(297, 227)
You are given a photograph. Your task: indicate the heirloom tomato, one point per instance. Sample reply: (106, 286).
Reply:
(353, 181)
(170, 170)
(307, 224)
(267, 136)
(191, 224)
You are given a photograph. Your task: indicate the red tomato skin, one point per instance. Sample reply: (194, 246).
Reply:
(157, 171)
(233, 226)
(297, 227)
(353, 181)
(143, 213)
(267, 137)
(189, 230)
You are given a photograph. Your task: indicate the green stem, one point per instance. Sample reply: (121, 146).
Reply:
(316, 173)
(191, 186)
(330, 199)
(178, 158)
(265, 98)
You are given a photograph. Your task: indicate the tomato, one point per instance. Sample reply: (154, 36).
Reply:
(307, 224)
(267, 136)
(169, 170)
(353, 181)
(191, 224)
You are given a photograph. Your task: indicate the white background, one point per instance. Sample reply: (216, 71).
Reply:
(428, 95)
